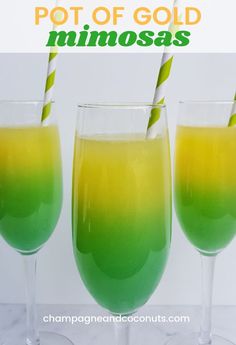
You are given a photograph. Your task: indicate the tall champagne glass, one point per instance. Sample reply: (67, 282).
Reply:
(121, 205)
(205, 194)
(30, 195)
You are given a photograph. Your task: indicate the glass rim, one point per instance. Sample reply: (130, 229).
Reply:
(208, 102)
(25, 102)
(120, 105)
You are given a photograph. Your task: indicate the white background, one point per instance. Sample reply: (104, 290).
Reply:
(114, 77)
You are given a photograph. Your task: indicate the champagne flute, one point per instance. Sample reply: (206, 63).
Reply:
(30, 195)
(205, 194)
(121, 205)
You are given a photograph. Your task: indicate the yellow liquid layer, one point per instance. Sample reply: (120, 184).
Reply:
(120, 173)
(205, 185)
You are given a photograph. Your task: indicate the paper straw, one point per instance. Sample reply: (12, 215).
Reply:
(49, 88)
(232, 120)
(50, 81)
(162, 80)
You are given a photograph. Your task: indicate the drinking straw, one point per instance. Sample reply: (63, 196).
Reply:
(50, 81)
(232, 120)
(49, 87)
(162, 80)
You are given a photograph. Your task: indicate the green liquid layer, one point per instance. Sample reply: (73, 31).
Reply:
(208, 218)
(121, 258)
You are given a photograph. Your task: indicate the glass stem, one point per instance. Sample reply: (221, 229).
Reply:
(32, 334)
(122, 333)
(208, 266)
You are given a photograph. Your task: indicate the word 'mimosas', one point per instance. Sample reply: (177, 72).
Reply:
(88, 38)
(103, 15)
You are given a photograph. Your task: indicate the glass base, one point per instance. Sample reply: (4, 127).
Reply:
(50, 338)
(192, 339)
(46, 338)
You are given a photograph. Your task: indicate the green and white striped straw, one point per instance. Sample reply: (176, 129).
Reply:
(50, 81)
(160, 91)
(232, 120)
(49, 87)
